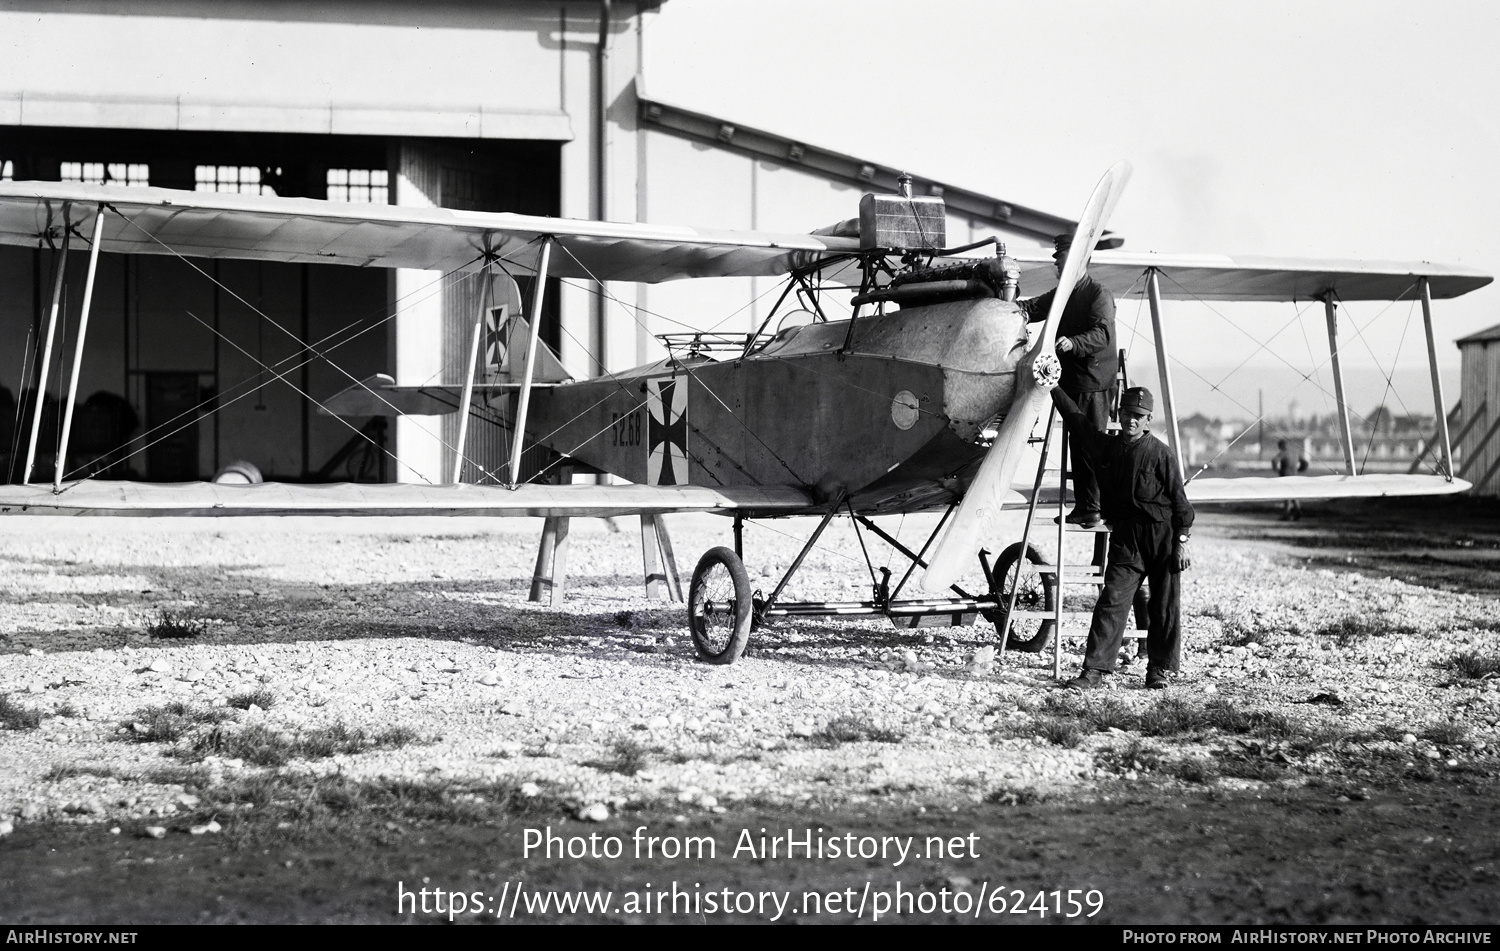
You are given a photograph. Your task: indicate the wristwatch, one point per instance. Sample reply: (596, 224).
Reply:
(1184, 539)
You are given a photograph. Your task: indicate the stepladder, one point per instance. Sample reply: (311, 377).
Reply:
(1050, 602)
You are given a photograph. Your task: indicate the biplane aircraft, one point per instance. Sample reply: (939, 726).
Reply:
(924, 399)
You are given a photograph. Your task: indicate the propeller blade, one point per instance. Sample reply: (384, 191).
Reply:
(977, 519)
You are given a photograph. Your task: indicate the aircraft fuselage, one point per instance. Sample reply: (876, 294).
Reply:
(890, 415)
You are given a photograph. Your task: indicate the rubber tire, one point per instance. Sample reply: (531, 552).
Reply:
(720, 606)
(1038, 592)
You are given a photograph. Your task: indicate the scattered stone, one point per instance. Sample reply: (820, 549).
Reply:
(156, 832)
(595, 812)
(530, 790)
(6, 827)
(161, 665)
(489, 679)
(802, 728)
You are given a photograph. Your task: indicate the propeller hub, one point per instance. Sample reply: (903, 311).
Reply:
(1046, 369)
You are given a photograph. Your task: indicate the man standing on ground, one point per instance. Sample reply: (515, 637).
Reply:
(1284, 465)
(1090, 362)
(1150, 519)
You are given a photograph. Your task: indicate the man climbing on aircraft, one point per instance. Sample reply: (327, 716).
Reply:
(1090, 362)
(1150, 519)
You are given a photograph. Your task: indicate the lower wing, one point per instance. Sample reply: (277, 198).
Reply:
(275, 498)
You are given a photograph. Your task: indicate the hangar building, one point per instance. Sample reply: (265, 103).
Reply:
(533, 106)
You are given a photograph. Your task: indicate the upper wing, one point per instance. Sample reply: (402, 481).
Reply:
(305, 230)
(309, 231)
(275, 498)
(1247, 278)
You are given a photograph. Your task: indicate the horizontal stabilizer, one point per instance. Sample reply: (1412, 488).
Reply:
(377, 396)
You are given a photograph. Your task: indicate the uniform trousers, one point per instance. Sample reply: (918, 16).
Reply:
(1095, 408)
(1138, 551)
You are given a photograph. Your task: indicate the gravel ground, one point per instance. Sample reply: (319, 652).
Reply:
(422, 625)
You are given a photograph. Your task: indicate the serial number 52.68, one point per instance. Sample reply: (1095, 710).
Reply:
(626, 429)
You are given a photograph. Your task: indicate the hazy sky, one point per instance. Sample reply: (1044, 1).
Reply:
(1334, 129)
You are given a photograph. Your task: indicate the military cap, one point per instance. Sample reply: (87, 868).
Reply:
(1137, 400)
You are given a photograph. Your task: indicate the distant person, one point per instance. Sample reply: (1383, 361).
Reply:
(1286, 463)
(1150, 521)
(1090, 363)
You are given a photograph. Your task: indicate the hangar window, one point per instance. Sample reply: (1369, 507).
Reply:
(7, 171)
(363, 185)
(241, 179)
(102, 173)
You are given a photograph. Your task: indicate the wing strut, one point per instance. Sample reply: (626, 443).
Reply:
(1163, 367)
(83, 332)
(41, 380)
(1438, 409)
(1346, 434)
(460, 451)
(524, 403)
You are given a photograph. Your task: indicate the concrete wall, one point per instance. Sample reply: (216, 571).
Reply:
(465, 69)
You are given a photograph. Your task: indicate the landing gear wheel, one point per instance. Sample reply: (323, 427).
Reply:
(720, 607)
(1038, 593)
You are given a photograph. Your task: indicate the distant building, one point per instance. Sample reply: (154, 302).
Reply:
(1479, 408)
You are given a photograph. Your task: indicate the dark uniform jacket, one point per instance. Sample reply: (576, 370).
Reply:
(1138, 481)
(1088, 319)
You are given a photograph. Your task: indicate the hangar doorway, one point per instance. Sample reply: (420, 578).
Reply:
(227, 360)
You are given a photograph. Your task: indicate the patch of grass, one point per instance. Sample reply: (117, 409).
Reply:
(1444, 734)
(625, 618)
(65, 710)
(849, 728)
(264, 746)
(1247, 764)
(170, 627)
(301, 808)
(1472, 665)
(1135, 755)
(1239, 634)
(1016, 796)
(1059, 731)
(171, 721)
(1191, 770)
(627, 757)
(188, 777)
(1097, 713)
(262, 698)
(15, 716)
(1353, 628)
(1171, 716)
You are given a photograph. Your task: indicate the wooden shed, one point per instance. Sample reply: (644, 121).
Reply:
(1479, 426)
